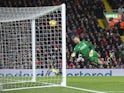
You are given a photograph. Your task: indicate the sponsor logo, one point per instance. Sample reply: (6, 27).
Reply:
(50, 73)
(81, 73)
(23, 73)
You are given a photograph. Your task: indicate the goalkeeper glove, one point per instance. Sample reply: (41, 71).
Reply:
(73, 55)
(91, 53)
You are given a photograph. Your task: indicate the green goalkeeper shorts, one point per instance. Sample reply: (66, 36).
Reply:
(94, 57)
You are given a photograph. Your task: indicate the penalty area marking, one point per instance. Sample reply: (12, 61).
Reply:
(82, 89)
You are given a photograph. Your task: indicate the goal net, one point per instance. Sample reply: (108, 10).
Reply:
(32, 47)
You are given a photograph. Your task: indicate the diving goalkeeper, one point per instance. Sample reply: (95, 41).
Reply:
(87, 50)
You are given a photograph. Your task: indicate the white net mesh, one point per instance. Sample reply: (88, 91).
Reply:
(16, 47)
(17, 14)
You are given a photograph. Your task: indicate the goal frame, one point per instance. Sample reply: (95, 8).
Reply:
(63, 21)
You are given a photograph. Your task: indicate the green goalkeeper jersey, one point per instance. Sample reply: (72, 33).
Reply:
(83, 48)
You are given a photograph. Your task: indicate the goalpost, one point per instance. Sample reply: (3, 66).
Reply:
(32, 50)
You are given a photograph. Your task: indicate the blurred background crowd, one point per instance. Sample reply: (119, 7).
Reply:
(81, 19)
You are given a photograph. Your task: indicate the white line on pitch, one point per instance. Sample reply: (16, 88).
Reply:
(114, 91)
(82, 89)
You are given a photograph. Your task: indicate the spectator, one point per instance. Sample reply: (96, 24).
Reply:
(81, 21)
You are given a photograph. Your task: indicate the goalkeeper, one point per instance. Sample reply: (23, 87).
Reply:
(87, 50)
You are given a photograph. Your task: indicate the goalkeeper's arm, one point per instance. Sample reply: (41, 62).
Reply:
(74, 53)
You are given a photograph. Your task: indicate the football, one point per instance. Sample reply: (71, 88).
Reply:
(52, 23)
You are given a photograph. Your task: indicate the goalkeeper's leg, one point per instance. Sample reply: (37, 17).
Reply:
(101, 62)
(96, 58)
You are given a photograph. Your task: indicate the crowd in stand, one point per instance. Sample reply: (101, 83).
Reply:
(118, 8)
(81, 19)
(115, 4)
(84, 24)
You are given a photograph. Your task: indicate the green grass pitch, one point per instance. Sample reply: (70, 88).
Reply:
(102, 84)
